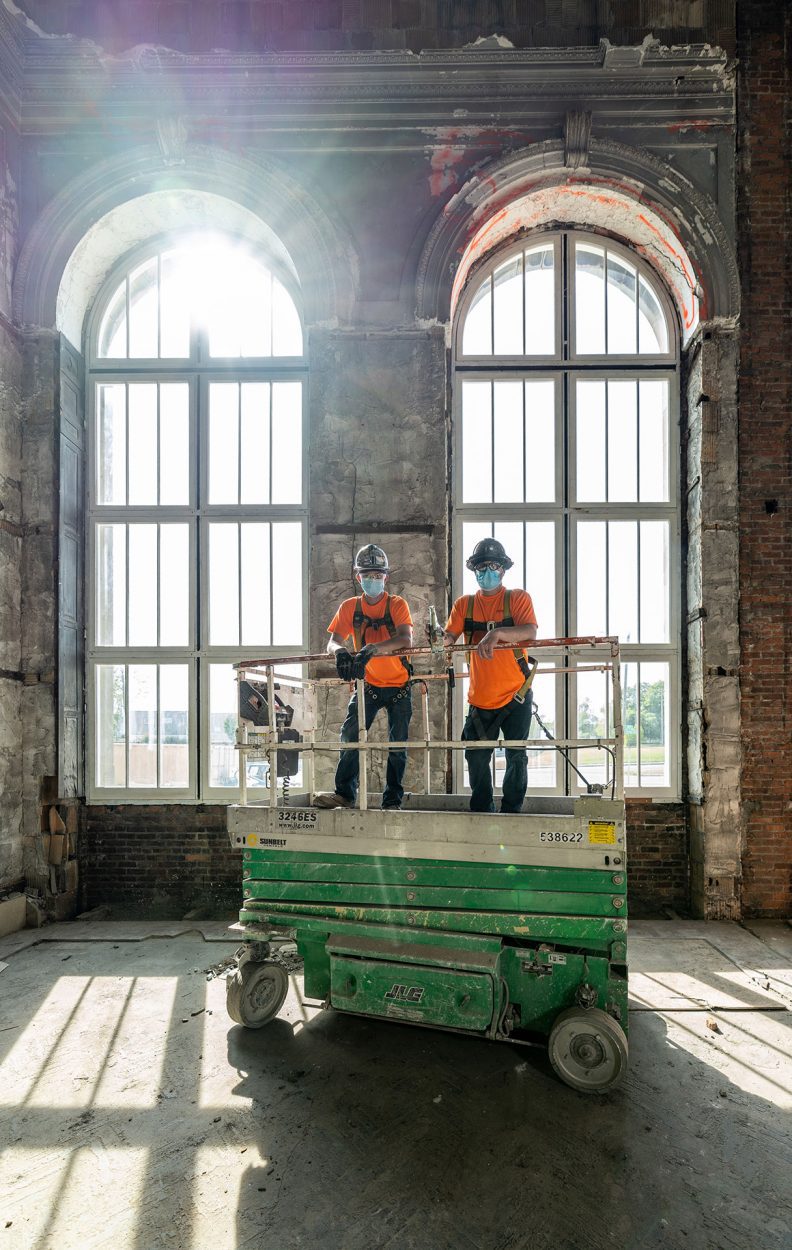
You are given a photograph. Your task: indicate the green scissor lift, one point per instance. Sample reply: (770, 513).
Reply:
(511, 928)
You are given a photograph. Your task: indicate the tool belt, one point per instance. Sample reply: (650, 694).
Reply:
(372, 692)
(489, 733)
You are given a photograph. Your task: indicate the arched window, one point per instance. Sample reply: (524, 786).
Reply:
(565, 399)
(197, 510)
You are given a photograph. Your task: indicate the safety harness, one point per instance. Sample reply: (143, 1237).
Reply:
(472, 627)
(362, 623)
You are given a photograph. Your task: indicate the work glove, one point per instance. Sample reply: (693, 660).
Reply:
(360, 661)
(344, 662)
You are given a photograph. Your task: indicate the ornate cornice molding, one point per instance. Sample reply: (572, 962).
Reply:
(62, 75)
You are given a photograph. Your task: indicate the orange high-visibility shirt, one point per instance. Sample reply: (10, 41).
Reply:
(383, 670)
(493, 683)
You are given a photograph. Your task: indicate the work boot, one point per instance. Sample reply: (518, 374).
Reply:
(331, 800)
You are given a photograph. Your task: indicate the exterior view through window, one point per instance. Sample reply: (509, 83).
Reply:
(197, 512)
(565, 400)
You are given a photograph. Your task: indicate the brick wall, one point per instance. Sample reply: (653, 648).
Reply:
(765, 152)
(164, 860)
(159, 860)
(658, 873)
(360, 25)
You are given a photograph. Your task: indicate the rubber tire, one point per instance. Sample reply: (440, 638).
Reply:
(255, 993)
(608, 1035)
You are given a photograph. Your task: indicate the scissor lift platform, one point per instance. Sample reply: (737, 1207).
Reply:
(509, 927)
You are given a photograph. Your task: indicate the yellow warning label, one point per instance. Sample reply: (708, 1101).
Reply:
(602, 832)
(252, 840)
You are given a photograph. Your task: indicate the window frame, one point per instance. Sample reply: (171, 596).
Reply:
(198, 370)
(566, 368)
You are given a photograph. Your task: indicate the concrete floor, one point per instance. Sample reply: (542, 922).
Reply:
(133, 1114)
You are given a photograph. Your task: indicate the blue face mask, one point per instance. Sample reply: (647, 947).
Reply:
(489, 579)
(373, 587)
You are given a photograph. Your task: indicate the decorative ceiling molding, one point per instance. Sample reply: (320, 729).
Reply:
(61, 81)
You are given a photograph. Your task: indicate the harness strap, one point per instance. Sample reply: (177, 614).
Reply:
(361, 624)
(472, 626)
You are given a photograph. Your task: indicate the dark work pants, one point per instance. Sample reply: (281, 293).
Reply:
(397, 702)
(515, 724)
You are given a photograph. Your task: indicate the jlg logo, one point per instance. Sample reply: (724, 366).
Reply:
(404, 994)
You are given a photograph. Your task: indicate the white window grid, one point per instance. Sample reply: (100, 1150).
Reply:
(566, 368)
(198, 371)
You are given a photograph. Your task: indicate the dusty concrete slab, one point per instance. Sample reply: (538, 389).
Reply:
(134, 1114)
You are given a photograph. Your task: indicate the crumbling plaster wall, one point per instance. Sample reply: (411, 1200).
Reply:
(11, 562)
(378, 473)
(713, 644)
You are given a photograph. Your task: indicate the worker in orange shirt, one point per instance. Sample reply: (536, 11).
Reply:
(377, 624)
(499, 694)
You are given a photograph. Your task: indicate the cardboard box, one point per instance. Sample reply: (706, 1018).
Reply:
(57, 847)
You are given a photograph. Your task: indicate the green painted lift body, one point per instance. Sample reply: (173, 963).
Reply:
(489, 925)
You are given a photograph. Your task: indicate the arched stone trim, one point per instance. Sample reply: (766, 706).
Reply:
(620, 189)
(324, 263)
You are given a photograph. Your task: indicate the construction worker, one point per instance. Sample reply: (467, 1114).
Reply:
(499, 694)
(377, 624)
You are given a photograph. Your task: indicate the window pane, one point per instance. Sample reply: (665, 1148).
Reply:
(508, 440)
(286, 329)
(111, 450)
(287, 584)
(622, 326)
(655, 588)
(143, 725)
(654, 724)
(112, 332)
(254, 465)
(111, 585)
(223, 758)
(592, 618)
(142, 443)
(224, 442)
(175, 305)
(653, 441)
(174, 585)
(143, 311)
(589, 299)
(590, 440)
(224, 585)
(652, 328)
(623, 580)
(477, 334)
(629, 678)
(174, 726)
(477, 442)
(540, 578)
(542, 765)
(255, 312)
(142, 585)
(540, 302)
(540, 448)
(592, 722)
(512, 535)
(174, 482)
(286, 442)
(508, 310)
(256, 584)
(622, 442)
(110, 725)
